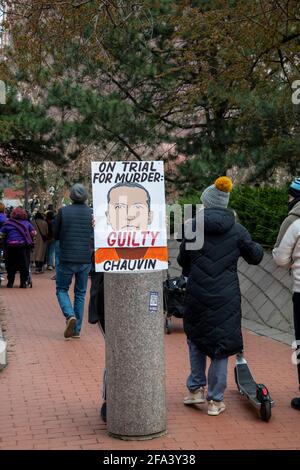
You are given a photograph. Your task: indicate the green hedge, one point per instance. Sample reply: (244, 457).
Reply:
(260, 210)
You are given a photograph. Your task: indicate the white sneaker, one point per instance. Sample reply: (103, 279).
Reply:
(215, 407)
(195, 398)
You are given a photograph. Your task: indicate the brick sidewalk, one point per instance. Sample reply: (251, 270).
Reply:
(49, 393)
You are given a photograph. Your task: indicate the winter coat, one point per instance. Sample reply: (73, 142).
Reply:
(14, 236)
(294, 215)
(96, 303)
(287, 254)
(74, 230)
(40, 247)
(3, 219)
(212, 314)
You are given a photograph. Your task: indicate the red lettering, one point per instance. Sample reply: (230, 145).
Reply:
(154, 237)
(111, 239)
(122, 238)
(145, 233)
(133, 240)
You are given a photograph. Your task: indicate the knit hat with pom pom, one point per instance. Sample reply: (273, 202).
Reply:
(294, 189)
(217, 195)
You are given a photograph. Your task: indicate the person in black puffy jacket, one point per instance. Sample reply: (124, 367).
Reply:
(212, 314)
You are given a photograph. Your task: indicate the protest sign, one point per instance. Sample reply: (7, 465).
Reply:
(130, 216)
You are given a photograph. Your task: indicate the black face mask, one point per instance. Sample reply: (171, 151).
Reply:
(292, 203)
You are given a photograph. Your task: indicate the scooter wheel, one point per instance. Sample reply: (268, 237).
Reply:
(265, 411)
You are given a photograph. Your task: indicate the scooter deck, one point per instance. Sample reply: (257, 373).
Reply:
(246, 382)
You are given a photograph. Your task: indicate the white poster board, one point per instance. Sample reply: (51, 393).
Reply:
(130, 216)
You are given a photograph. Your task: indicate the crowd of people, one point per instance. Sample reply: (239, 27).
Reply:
(27, 243)
(212, 311)
(35, 242)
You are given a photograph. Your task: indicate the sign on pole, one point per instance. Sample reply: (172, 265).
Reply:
(130, 216)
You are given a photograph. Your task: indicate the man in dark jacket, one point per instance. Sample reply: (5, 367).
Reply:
(212, 317)
(74, 229)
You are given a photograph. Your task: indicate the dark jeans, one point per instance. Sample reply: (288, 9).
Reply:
(296, 302)
(216, 377)
(64, 275)
(96, 311)
(17, 260)
(39, 266)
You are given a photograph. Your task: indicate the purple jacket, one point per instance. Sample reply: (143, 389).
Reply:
(3, 219)
(14, 236)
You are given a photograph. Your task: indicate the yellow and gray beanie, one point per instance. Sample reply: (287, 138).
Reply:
(217, 195)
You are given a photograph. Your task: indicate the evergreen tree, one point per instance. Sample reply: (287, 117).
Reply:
(212, 79)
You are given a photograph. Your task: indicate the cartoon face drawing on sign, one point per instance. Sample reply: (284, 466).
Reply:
(129, 207)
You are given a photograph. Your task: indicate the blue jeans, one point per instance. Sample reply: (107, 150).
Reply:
(217, 374)
(51, 254)
(57, 253)
(64, 276)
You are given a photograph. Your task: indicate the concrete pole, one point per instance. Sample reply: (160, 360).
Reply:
(136, 404)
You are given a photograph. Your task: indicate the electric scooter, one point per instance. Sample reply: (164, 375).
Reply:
(258, 394)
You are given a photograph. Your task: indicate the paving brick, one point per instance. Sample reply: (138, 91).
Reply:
(50, 392)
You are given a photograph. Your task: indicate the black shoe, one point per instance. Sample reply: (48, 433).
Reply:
(10, 285)
(295, 403)
(103, 412)
(23, 286)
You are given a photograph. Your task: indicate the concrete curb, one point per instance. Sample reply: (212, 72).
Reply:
(3, 350)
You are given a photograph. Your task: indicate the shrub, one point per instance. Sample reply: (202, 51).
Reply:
(260, 210)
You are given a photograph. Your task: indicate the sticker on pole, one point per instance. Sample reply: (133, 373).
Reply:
(130, 216)
(153, 302)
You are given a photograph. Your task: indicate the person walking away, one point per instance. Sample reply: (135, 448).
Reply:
(3, 219)
(286, 253)
(74, 230)
(50, 252)
(41, 228)
(212, 316)
(18, 234)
